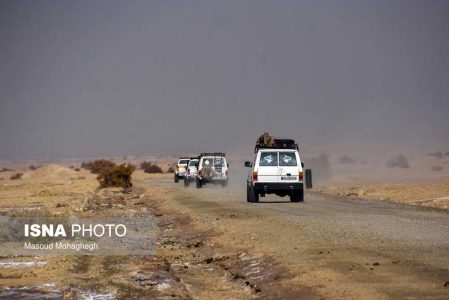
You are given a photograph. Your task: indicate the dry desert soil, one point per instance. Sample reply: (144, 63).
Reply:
(212, 244)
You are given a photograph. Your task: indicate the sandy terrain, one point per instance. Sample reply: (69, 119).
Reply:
(430, 194)
(214, 245)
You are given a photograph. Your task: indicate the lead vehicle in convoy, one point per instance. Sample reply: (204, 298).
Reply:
(181, 168)
(212, 168)
(276, 169)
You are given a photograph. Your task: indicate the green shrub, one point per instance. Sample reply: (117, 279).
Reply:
(116, 176)
(149, 167)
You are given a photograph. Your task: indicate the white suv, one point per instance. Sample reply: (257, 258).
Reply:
(276, 170)
(192, 171)
(181, 168)
(212, 168)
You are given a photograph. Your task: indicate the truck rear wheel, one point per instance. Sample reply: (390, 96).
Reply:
(199, 184)
(297, 196)
(253, 195)
(186, 181)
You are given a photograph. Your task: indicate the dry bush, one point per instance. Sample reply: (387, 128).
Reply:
(171, 170)
(16, 176)
(438, 155)
(437, 168)
(346, 159)
(77, 169)
(5, 170)
(116, 176)
(98, 166)
(33, 167)
(399, 161)
(149, 167)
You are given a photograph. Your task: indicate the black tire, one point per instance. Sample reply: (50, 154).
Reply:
(248, 194)
(176, 178)
(297, 196)
(224, 183)
(253, 195)
(199, 184)
(308, 179)
(186, 182)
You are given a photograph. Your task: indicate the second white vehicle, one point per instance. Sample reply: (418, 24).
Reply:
(192, 171)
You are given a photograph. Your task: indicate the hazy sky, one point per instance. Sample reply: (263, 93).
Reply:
(92, 78)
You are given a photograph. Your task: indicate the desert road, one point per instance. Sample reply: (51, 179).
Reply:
(337, 247)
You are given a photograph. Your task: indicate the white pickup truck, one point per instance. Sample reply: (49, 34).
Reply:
(276, 170)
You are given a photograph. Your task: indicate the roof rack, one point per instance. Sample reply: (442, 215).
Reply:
(279, 143)
(213, 154)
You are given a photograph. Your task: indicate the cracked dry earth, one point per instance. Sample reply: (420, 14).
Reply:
(213, 245)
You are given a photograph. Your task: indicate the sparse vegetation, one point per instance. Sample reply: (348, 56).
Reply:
(77, 169)
(149, 167)
(16, 176)
(437, 168)
(110, 174)
(33, 167)
(116, 176)
(346, 159)
(438, 155)
(171, 170)
(399, 161)
(97, 166)
(5, 170)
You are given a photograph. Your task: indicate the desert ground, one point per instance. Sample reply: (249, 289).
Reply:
(356, 243)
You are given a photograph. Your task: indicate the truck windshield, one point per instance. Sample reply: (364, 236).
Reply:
(287, 159)
(193, 163)
(183, 162)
